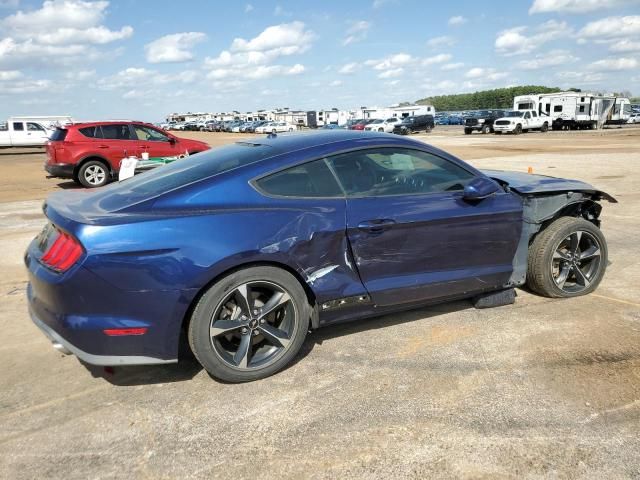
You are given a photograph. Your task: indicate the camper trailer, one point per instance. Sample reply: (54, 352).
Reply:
(573, 110)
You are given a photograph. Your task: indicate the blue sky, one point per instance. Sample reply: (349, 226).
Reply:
(144, 59)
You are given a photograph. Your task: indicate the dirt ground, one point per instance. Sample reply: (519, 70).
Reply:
(540, 389)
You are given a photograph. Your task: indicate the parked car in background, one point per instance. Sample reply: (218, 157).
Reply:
(362, 123)
(267, 240)
(90, 153)
(331, 126)
(276, 127)
(414, 124)
(482, 121)
(383, 125)
(21, 133)
(634, 118)
(520, 121)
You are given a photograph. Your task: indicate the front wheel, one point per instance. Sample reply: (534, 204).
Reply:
(567, 259)
(518, 129)
(250, 324)
(467, 131)
(545, 127)
(486, 129)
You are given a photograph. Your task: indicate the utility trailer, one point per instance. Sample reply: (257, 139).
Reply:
(576, 110)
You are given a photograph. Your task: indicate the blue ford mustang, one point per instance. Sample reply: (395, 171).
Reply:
(247, 247)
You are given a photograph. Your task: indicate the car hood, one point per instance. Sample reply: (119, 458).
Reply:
(527, 183)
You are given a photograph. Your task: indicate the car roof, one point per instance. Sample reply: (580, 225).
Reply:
(109, 122)
(283, 143)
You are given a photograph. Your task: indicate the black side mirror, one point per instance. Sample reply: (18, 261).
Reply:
(172, 140)
(479, 188)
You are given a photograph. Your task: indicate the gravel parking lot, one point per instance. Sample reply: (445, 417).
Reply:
(540, 389)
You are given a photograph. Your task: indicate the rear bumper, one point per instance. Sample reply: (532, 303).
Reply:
(61, 170)
(66, 347)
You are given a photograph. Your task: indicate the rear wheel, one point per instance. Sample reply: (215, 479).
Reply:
(250, 324)
(567, 259)
(486, 129)
(545, 127)
(93, 174)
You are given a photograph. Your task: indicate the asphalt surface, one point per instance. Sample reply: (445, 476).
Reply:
(540, 389)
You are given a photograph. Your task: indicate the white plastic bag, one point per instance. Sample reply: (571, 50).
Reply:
(127, 168)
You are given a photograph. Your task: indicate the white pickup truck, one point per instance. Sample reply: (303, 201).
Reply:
(520, 121)
(24, 133)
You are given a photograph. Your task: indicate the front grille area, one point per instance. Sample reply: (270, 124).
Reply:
(470, 122)
(502, 122)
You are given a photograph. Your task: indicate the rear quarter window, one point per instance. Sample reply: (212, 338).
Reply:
(313, 179)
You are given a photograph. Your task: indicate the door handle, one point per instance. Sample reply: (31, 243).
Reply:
(103, 146)
(378, 225)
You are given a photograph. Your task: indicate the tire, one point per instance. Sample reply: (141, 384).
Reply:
(93, 174)
(559, 269)
(290, 320)
(427, 130)
(485, 129)
(274, 131)
(467, 131)
(545, 127)
(381, 130)
(291, 129)
(518, 130)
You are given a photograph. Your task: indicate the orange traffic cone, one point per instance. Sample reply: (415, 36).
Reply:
(529, 170)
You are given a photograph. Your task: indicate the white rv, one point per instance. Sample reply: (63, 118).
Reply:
(571, 110)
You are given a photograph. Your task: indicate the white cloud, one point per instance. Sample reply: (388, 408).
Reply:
(452, 66)
(9, 3)
(248, 8)
(572, 78)
(457, 20)
(445, 85)
(517, 41)
(548, 59)
(25, 86)
(625, 45)
(393, 73)
(335, 83)
(139, 77)
(6, 75)
(281, 12)
(485, 74)
(392, 61)
(612, 27)
(173, 48)
(614, 64)
(356, 32)
(55, 33)
(253, 59)
(443, 41)
(63, 22)
(349, 68)
(286, 38)
(80, 75)
(576, 6)
(441, 58)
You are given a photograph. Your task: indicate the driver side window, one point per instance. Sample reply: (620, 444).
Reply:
(393, 171)
(147, 134)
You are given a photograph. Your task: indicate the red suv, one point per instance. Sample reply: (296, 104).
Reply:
(90, 153)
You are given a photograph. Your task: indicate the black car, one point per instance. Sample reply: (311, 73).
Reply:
(482, 121)
(414, 124)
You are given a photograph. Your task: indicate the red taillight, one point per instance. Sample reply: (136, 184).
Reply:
(121, 332)
(63, 253)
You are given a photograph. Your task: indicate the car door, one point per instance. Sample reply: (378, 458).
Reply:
(413, 235)
(526, 120)
(36, 134)
(154, 142)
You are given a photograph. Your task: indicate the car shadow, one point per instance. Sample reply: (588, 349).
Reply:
(70, 185)
(321, 335)
(12, 152)
(188, 367)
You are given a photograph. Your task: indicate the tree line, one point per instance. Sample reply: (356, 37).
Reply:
(497, 98)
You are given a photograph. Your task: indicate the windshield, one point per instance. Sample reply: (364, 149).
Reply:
(377, 121)
(514, 114)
